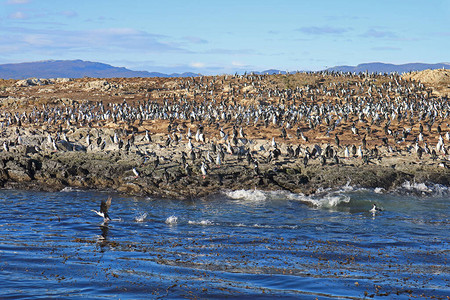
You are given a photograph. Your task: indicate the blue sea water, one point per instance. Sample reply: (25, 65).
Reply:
(242, 244)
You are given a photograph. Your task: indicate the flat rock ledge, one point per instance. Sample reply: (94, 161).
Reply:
(114, 171)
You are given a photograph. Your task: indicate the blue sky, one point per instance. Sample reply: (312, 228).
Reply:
(216, 37)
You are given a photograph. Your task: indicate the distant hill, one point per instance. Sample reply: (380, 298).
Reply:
(375, 67)
(74, 69)
(388, 68)
(270, 72)
(80, 68)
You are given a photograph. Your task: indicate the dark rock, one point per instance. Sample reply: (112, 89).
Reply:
(64, 145)
(56, 170)
(18, 175)
(302, 179)
(17, 172)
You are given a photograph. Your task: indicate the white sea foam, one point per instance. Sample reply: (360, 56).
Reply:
(379, 190)
(264, 226)
(321, 199)
(329, 200)
(141, 217)
(248, 195)
(423, 189)
(261, 226)
(202, 222)
(70, 189)
(172, 220)
(413, 186)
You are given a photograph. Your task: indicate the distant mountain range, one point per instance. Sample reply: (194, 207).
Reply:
(80, 68)
(269, 72)
(388, 68)
(74, 69)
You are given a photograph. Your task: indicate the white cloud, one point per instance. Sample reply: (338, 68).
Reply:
(122, 40)
(237, 64)
(116, 31)
(197, 65)
(18, 15)
(379, 34)
(386, 48)
(37, 39)
(17, 1)
(195, 40)
(230, 51)
(69, 13)
(322, 30)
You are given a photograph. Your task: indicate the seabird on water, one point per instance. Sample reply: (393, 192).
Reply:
(104, 206)
(375, 209)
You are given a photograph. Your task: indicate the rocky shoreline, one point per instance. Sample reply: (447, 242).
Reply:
(192, 137)
(162, 174)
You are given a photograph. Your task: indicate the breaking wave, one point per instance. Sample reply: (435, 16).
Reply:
(422, 189)
(342, 197)
(248, 195)
(69, 189)
(201, 222)
(172, 220)
(140, 217)
(323, 198)
(379, 190)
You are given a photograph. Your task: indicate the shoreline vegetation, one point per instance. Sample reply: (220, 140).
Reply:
(191, 137)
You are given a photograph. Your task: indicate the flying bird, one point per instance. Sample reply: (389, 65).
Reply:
(104, 206)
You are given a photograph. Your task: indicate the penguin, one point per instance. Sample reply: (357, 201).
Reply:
(336, 141)
(375, 209)
(204, 170)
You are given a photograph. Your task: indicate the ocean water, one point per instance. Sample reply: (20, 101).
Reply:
(241, 244)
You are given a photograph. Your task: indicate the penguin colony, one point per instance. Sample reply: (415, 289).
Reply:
(199, 123)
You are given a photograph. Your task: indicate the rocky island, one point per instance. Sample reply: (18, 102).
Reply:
(193, 136)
